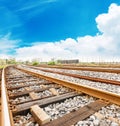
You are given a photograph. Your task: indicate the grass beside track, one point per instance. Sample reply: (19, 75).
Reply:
(2, 66)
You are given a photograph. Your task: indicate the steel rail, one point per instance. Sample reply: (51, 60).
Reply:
(96, 79)
(85, 69)
(77, 65)
(111, 97)
(5, 109)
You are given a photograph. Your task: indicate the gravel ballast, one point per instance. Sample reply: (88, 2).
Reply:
(98, 85)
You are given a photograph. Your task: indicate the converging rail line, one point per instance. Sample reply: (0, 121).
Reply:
(83, 82)
(79, 76)
(33, 99)
(0, 93)
(109, 70)
(91, 91)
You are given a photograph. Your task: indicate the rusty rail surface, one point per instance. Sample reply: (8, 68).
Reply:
(85, 65)
(114, 82)
(0, 95)
(85, 69)
(111, 97)
(5, 107)
(73, 117)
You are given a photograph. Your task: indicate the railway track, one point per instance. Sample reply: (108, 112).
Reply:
(111, 66)
(97, 69)
(34, 99)
(99, 84)
(0, 93)
(80, 74)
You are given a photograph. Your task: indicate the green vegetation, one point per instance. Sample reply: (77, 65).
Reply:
(35, 63)
(1, 66)
(11, 61)
(51, 63)
(7, 61)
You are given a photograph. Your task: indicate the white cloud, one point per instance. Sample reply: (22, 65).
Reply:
(7, 45)
(102, 45)
(44, 52)
(105, 45)
(109, 23)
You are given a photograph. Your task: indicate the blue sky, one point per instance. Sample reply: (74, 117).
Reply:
(28, 24)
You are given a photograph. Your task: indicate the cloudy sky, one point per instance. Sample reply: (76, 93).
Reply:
(60, 29)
